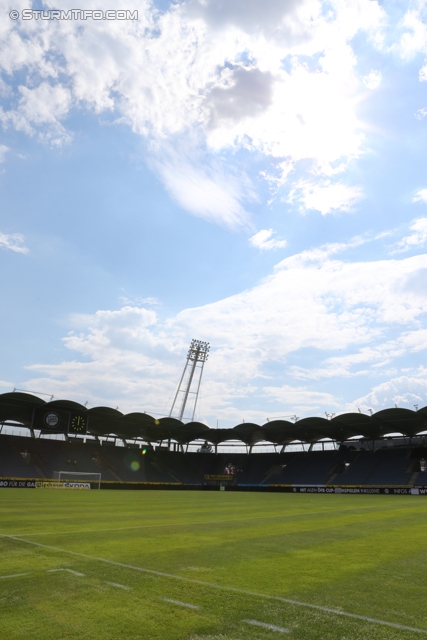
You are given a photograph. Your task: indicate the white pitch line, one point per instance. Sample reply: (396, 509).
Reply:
(198, 522)
(272, 627)
(14, 575)
(120, 586)
(212, 585)
(181, 604)
(76, 573)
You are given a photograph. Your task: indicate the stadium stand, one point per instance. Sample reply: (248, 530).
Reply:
(385, 466)
(41, 458)
(16, 459)
(22, 457)
(66, 436)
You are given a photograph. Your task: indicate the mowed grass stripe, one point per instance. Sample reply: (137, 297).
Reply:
(161, 574)
(283, 555)
(232, 521)
(258, 553)
(146, 509)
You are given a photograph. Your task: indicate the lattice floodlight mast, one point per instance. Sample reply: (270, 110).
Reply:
(191, 377)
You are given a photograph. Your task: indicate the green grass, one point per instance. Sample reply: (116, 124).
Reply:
(364, 555)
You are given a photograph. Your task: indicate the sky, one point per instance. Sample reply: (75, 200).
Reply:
(248, 173)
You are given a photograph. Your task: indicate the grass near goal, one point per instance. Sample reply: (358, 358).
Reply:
(77, 480)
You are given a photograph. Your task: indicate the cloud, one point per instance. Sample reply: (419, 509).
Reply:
(311, 116)
(138, 300)
(206, 191)
(315, 316)
(44, 106)
(3, 152)
(325, 196)
(414, 38)
(421, 113)
(421, 196)
(418, 237)
(404, 391)
(13, 242)
(263, 241)
(300, 399)
(243, 93)
(273, 18)
(414, 284)
(372, 80)
(123, 354)
(367, 360)
(169, 77)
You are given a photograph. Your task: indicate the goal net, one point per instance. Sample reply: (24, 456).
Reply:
(77, 480)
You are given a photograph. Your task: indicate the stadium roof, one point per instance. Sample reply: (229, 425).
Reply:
(22, 408)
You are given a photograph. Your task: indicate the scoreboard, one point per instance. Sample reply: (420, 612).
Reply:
(57, 420)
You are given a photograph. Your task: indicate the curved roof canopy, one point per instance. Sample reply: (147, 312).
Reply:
(105, 421)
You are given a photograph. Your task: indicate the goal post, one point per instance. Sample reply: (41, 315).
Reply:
(77, 480)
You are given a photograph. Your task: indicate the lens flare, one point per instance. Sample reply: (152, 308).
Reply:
(134, 465)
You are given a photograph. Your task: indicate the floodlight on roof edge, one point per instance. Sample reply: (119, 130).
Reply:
(196, 357)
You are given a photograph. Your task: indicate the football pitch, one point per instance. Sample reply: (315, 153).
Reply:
(192, 565)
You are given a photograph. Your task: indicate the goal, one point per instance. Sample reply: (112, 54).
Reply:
(77, 480)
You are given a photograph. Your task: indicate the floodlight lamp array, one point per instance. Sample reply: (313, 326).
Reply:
(198, 351)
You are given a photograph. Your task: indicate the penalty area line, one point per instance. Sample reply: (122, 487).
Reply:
(14, 575)
(265, 625)
(75, 573)
(181, 604)
(119, 586)
(220, 587)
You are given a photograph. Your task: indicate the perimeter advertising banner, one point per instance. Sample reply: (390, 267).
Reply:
(54, 484)
(360, 490)
(10, 483)
(75, 485)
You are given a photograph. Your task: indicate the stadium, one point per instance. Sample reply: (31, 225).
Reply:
(253, 173)
(224, 534)
(101, 447)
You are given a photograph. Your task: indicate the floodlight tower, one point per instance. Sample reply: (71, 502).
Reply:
(191, 377)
